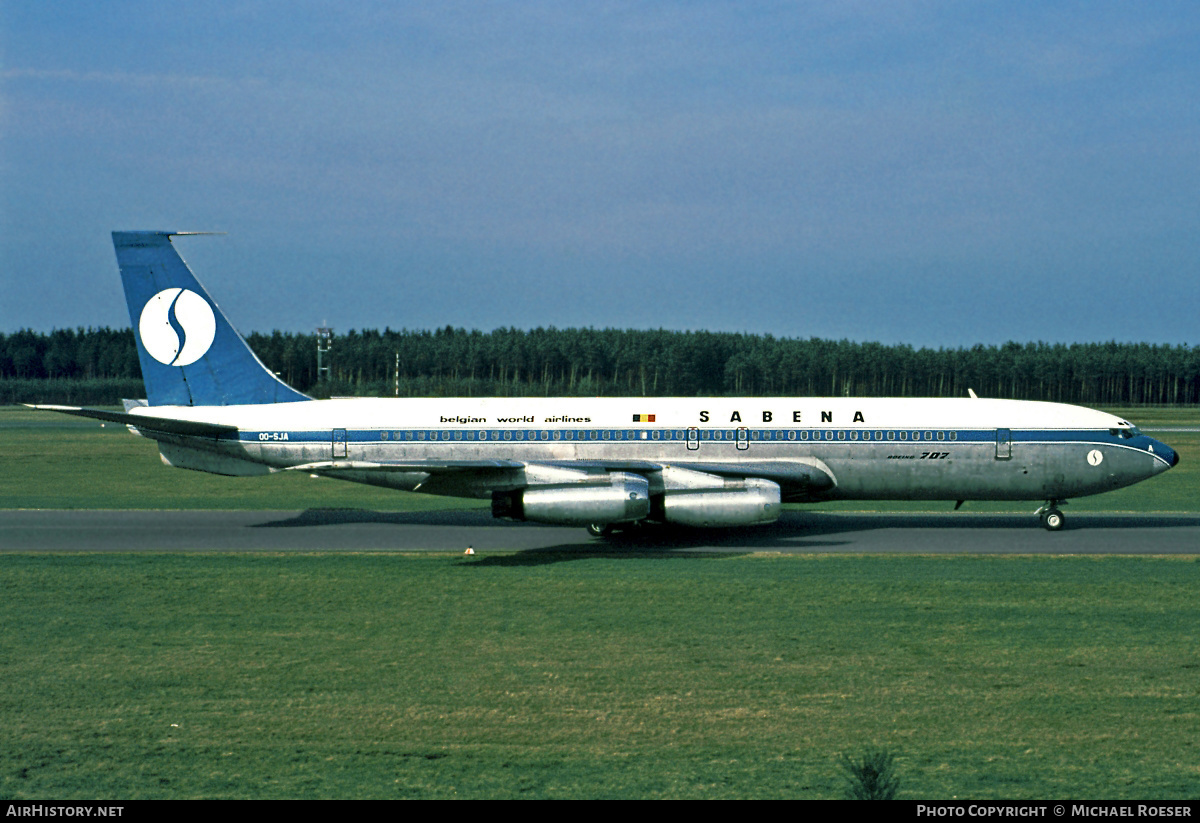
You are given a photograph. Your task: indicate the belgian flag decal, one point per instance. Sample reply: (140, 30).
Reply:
(643, 418)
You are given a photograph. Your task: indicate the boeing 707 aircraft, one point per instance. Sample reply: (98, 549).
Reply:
(603, 463)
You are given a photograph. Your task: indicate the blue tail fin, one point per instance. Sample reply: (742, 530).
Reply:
(190, 354)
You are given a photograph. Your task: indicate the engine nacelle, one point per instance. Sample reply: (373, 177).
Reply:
(751, 501)
(624, 499)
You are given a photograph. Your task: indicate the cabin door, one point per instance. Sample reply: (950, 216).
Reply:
(339, 443)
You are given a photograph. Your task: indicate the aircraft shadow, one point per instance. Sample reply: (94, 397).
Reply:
(528, 544)
(788, 527)
(345, 517)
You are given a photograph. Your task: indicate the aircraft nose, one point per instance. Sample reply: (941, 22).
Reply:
(1165, 452)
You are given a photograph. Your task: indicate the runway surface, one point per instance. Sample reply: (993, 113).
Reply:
(795, 532)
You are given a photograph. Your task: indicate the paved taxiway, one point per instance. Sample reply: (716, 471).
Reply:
(809, 531)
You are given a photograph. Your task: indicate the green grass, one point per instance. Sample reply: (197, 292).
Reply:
(567, 675)
(58, 462)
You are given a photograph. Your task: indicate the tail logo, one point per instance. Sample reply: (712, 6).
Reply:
(177, 327)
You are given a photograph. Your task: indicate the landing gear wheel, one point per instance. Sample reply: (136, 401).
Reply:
(1053, 520)
(600, 530)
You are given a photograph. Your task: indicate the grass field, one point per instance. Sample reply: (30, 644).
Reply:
(580, 674)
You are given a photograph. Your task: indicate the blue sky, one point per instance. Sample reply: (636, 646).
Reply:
(939, 174)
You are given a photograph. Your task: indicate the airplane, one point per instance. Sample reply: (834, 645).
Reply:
(607, 464)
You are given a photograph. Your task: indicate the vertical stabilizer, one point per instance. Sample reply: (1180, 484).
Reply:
(190, 354)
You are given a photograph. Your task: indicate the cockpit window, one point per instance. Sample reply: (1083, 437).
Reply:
(1126, 431)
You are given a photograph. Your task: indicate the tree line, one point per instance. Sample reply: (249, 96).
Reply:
(96, 364)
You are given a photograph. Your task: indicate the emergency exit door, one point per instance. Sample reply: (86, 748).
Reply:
(1003, 444)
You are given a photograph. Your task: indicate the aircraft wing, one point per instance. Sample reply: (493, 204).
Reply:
(146, 423)
(798, 477)
(430, 466)
(784, 472)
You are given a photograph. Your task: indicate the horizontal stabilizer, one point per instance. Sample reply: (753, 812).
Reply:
(147, 424)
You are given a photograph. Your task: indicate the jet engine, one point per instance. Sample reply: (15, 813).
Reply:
(622, 498)
(738, 503)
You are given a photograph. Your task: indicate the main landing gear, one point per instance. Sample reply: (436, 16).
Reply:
(604, 531)
(1050, 515)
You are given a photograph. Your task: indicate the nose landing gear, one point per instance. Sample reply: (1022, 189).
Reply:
(1050, 515)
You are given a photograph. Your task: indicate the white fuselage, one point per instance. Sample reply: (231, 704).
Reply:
(815, 448)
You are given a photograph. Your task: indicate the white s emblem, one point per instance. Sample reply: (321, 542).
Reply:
(192, 314)
(1095, 457)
